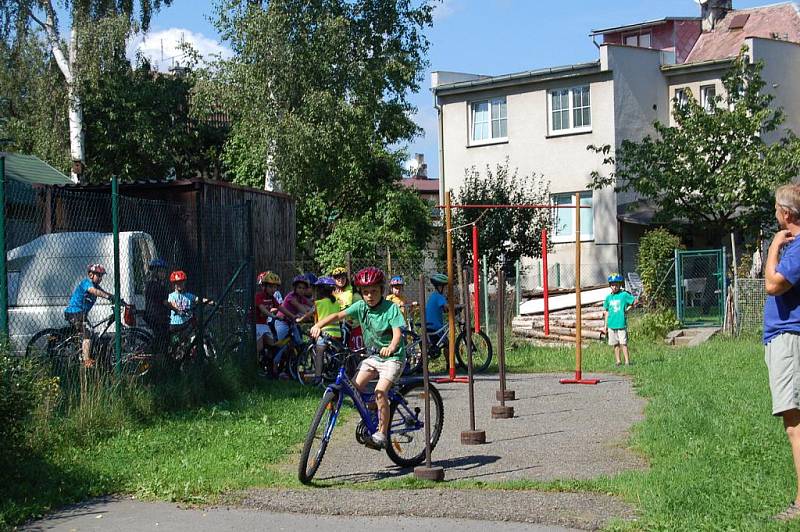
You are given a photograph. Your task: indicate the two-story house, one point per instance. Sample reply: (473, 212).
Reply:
(543, 120)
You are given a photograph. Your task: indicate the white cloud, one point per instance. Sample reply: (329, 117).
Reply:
(444, 9)
(162, 48)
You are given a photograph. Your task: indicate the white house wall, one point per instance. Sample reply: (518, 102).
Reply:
(782, 76)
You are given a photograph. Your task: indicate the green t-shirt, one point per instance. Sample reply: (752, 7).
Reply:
(325, 307)
(615, 305)
(377, 323)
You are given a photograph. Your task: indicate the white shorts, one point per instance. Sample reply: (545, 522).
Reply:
(617, 337)
(782, 355)
(386, 369)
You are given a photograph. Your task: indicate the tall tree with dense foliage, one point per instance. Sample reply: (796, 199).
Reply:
(318, 93)
(504, 235)
(714, 167)
(18, 18)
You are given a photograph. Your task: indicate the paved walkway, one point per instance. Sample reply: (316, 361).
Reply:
(126, 515)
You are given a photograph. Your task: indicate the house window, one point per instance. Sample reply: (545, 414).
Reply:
(707, 95)
(681, 98)
(640, 40)
(489, 120)
(570, 110)
(564, 229)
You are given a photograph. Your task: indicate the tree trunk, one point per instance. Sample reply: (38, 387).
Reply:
(67, 67)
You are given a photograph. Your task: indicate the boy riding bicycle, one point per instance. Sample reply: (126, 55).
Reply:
(381, 322)
(436, 306)
(182, 304)
(81, 302)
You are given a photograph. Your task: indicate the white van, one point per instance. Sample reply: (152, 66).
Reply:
(43, 273)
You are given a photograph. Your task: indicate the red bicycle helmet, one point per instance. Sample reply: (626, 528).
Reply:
(96, 268)
(369, 277)
(177, 276)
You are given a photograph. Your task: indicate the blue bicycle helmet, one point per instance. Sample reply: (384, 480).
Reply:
(397, 280)
(326, 281)
(299, 279)
(158, 263)
(311, 278)
(615, 278)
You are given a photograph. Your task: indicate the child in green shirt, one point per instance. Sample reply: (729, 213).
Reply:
(615, 306)
(380, 321)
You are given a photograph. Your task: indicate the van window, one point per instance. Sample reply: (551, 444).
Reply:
(141, 257)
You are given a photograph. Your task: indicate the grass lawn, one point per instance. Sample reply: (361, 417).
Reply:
(187, 456)
(718, 459)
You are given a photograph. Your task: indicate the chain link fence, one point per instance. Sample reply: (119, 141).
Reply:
(54, 234)
(750, 294)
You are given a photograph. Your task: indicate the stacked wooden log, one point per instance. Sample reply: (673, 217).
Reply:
(562, 325)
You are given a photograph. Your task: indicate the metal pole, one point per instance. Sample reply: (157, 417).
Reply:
(517, 289)
(735, 286)
(117, 317)
(251, 287)
(427, 472)
(476, 280)
(471, 436)
(546, 294)
(486, 293)
(199, 207)
(502, 411)
(451, 311)
(3, 266)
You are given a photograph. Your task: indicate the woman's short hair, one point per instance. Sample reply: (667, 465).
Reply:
(788, 198)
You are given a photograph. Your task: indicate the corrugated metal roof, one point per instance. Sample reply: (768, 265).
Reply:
(31, 169)
(520, 77)
(640, 25)
(781, 21)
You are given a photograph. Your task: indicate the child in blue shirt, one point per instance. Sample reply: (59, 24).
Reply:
(81, 302)
(436, 304)
(182, 303)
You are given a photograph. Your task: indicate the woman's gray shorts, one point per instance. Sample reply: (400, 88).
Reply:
(782, 355)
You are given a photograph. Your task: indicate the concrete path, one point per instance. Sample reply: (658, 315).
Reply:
(126, 515)
(558, 432)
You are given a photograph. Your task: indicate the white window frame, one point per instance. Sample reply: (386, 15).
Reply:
(680, 97)
(491, 104)
(570, 108)
(585, 195)
(638, 38)
(704, 101)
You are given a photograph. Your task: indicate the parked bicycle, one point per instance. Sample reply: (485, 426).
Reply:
(406, 445)
(185, 349)
(62, 348)
(437, 346)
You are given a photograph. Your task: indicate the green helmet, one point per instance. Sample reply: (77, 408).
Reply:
(439, 279)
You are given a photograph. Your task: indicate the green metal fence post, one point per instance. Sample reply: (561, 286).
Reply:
(517, 289)
(486, 293)
(201, 326)
(678, 291)
(558, 275)
(723, 284)
(3, 272)
(251, 274)
(117, 316)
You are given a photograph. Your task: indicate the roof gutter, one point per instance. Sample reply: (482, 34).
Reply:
(701, 66)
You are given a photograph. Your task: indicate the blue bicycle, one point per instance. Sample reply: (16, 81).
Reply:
(406, 445)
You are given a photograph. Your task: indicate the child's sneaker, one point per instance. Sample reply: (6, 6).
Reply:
(378, 440)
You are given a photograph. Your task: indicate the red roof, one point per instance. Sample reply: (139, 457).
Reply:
(779, 21)
(422, 185)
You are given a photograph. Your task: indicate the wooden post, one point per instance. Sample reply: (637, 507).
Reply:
(502, 411)
(389, 261)
(451, 310)
(472, 436)
(578, 339)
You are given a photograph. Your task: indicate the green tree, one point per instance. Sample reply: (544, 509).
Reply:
(318, 95)
(655, 266)
(504, 235)
(18, 18)
(714, 168)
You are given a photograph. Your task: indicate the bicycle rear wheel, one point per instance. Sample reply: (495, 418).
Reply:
(137, 352)
(481, 351)
(406, 446)
(318, 437)
(413, 353)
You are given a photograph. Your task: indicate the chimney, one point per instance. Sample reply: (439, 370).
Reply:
(712, 11)
(420, 167)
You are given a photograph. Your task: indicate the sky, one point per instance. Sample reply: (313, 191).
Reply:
(477, 36)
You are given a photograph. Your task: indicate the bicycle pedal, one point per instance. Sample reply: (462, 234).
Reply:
(372, 445)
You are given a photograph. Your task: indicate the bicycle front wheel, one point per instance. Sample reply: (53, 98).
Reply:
(318, 437)
(481, 351)
(137, 352)
(406, 446)
(413, 353)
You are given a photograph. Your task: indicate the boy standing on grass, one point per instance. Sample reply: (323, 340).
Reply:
(615, 306)
(782, 325)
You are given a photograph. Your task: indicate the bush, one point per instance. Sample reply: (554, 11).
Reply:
(652, 325)
(655, 262)
(25, 391)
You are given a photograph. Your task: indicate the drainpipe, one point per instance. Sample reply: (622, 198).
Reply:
(440, 117)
